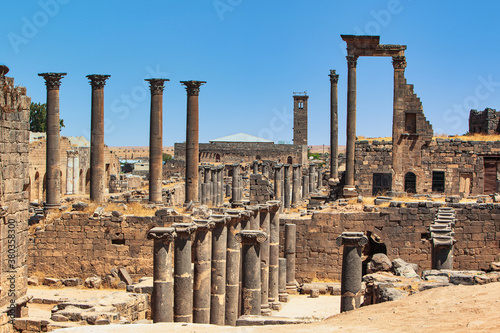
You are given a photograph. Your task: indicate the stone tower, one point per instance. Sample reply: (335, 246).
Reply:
(300, 119)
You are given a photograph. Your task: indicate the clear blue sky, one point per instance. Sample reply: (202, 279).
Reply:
(253, 55)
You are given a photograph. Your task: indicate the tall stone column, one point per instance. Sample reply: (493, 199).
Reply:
(334, 126)
(202, 266)
(282, 292)
(295, 185)
(163, 280)
(213, 186)
(290, 243)
(232, 267)
(183, 277)
(97, 138)
(351, 269)
(319, 182)
(219, 255)
(312, 177)
(251, 280)
(398, 120)
(277, 181)
(305, 186)
(287, 187)
(70, 171)
(265, 226)
(220, 181)
(235, 190)
(192, 144)
(349, 188)
(156, 140)
(201, 170)
(274, 250)
(205, 187)
(76, 172)
(52, 155)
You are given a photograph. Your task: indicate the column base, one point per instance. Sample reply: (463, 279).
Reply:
(284, 298)
(349, 192)
(266, 312)
(50, 208)
(292, 289)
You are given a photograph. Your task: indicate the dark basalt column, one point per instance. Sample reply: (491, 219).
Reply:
(232, 266)
(274, 251)
(290, 241)
(219, 255)
(202, 264)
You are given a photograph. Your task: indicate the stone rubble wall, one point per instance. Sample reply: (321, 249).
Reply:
(484, 122)
(403, 230)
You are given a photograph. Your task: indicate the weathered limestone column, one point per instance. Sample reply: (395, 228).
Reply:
(76, 172)
(265, 226)
(70, 171)
(349, 188)
(296, 185)
(305, 186)
(219, 255)
(163, 280)
(232, 267)
(156, 140)
(202, 265)
(192, 144)
(290, 241)
(97, 138)
(334, 125)
(312, 177)
(287, 187)
(277, 182)
(183, 277)
(351, 269)
(442, 252)
(52, 155)
(274, 251)
(251, 280)
(236, 176)
(282, 292)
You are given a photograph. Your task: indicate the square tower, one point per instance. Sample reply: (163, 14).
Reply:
(300, 118)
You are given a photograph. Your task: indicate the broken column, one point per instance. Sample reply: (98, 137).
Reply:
(334, 126)
(156, 140)
(282, 292)
(97, 138)
(219, 253)
(277, 182)
(192, 144)
(254, 223)
(265, 226)
(349, 188)
(183, 278)
(351, 269)
(232, 267)
(319, 182)
(52, 154)
(312, 178)
(274, 251)
(163, 281)
(290, 241)
(295, 185)
(305, 186)
(236, 177)
(202, 266)
(251, 279)
(255, 167)
(287, 187)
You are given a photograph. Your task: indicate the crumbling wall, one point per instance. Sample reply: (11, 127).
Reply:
(484, 122)
(403, 230)
(14, 140)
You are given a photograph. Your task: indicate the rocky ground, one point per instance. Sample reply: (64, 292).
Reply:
(448, 309)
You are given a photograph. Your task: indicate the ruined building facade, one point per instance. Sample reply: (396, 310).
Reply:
(484, 122)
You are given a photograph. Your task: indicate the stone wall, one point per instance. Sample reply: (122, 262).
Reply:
(236, 152)
(14, 139)
(484, 122)
(461, 161)
(403, 230)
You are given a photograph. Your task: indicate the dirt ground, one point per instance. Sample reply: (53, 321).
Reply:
(451, 309)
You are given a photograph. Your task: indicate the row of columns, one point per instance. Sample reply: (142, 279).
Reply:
(239, 246)
(210, 187)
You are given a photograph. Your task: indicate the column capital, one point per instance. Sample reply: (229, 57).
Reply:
(204, 225)
(162, 233)
(193, 87)
(156, 85)
(3, 70)
(352, 239)
(352, 61)
(97, 81)
(334, 77)
(184, 229)
(263, 207)
(219, 219)
(251, 236)
(278, 165)
(52, 80)
(72, 153)
(399, 62)
(274, 205)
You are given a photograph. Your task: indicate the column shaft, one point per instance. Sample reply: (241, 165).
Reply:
(290, 241)
(351, 124)
(232, 269)
(202, 266)
(183, 277)
(219, 254)
(265, 226)
(274, 251)
(334, 126)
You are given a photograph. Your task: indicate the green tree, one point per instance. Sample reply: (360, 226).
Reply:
(166, 157)
(38, 118)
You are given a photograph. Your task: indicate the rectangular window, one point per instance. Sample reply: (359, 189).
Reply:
(411, 123)
(437, 181)
(382, 183)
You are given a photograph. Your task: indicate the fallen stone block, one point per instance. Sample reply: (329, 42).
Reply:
(265, 320)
